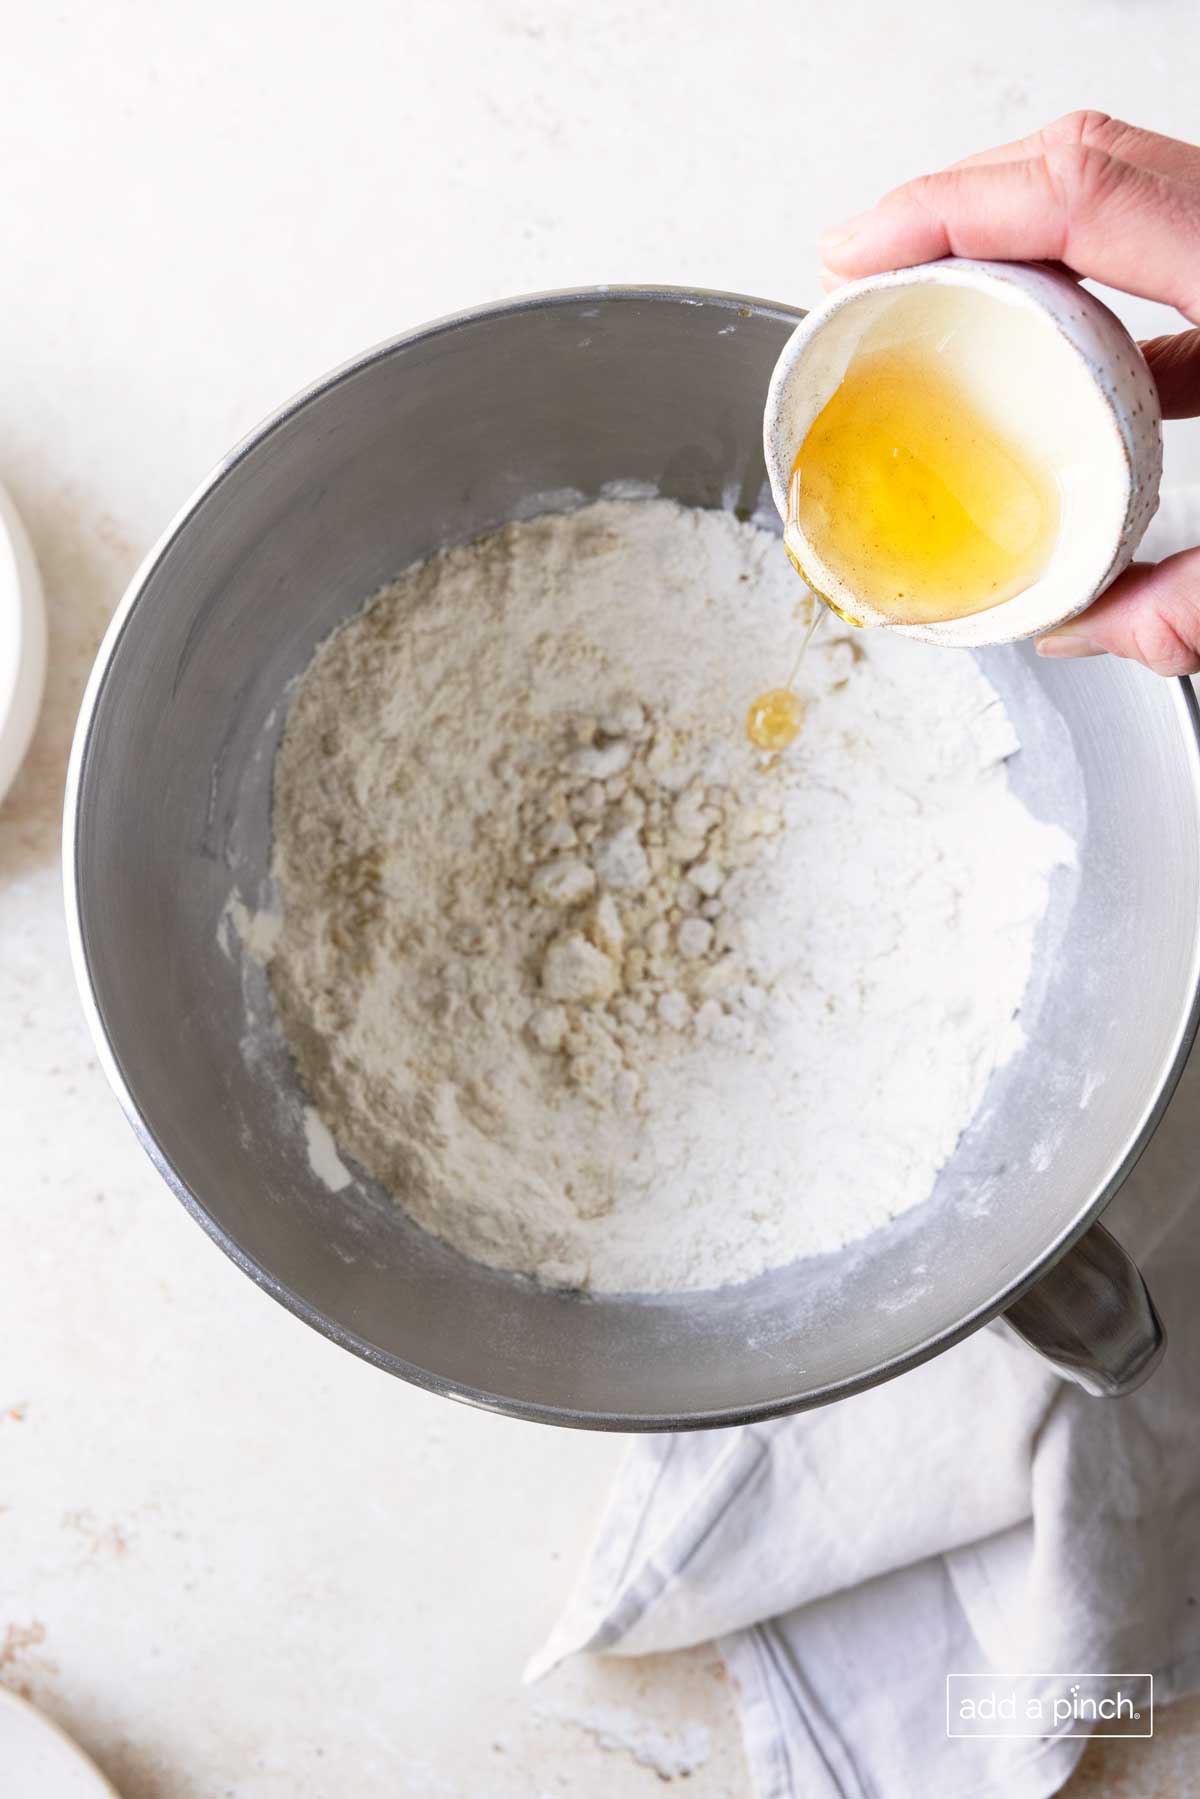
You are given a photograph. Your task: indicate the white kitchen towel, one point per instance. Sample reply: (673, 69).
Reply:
(978, 1515)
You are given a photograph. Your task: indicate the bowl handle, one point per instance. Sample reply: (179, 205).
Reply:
(1092, 1318)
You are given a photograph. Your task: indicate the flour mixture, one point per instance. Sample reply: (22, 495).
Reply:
(598, 991)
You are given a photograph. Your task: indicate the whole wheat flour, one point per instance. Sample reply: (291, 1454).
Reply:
(600, 993)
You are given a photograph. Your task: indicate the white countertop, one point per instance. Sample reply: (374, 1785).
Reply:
(233, 1559)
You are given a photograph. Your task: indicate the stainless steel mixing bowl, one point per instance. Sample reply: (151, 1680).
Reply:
(431, 440)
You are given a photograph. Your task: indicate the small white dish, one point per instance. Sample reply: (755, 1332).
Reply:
(22, 642)
(1050, 364)
(39, 1760)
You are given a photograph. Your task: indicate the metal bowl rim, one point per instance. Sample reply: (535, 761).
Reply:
(1188, 712)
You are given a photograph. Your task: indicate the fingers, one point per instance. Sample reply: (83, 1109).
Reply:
(1111, 202)
(1150, 614)
(1097, 131)
(1175, 365)
(1129, 227)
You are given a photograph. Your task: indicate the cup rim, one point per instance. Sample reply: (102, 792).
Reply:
(1011, 284)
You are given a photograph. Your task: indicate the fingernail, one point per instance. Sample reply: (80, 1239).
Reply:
(1069, 643)
(841, 234)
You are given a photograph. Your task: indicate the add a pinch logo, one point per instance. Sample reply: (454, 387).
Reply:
(1049, 1705)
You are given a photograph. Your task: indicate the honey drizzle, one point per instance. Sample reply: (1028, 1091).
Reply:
(915, 501)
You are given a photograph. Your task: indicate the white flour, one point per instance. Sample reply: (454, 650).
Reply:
(598, 991)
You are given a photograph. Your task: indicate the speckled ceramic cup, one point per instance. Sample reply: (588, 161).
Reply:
(1050, 364)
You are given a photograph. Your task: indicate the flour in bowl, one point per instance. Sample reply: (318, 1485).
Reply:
(598, 991)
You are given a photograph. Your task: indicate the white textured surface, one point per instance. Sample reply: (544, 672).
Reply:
(232, 1559)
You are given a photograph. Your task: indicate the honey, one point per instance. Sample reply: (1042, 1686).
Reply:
(775, 718)
(918, 504)
(915, 501)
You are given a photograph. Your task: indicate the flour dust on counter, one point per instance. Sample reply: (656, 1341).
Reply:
(598, 991)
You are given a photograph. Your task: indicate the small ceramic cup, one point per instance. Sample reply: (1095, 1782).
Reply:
(1054, 368)
(22, 642)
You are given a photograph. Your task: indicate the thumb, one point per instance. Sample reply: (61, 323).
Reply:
(1150, 614)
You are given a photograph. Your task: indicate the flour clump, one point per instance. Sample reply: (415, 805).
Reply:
(598, 991)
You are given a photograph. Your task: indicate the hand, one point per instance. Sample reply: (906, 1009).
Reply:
(1107, 201)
